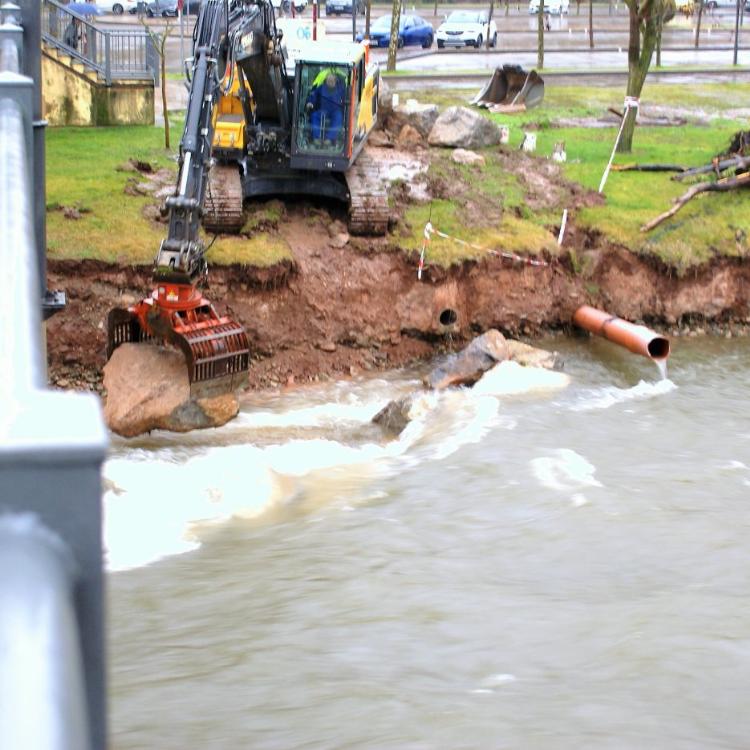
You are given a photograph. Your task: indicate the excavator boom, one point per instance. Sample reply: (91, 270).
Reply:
(216, 347)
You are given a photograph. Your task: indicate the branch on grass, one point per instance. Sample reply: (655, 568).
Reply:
(648, 168)
(727, 183)
(741, 162)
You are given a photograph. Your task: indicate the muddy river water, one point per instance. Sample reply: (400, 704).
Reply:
(536, 563)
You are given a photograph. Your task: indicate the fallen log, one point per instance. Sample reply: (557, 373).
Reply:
(722, 185)
(648, 168)
(715, 166)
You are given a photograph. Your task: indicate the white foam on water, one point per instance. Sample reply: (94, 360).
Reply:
(604, 398)
(151, 508)
(508, 378)
(566, 471)
(159, 501)
(321, 415)
(472, 418)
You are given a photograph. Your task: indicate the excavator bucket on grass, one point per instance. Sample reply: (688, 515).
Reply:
(215, 347)
(511, 89)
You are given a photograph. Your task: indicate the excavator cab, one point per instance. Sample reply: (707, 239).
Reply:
(335, 106)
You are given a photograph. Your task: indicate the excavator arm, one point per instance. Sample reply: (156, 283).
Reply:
(215, 347)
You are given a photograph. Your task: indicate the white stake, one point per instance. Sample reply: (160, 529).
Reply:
(562, 227)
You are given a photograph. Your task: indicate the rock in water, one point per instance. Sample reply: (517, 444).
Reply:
(396, 415)
(148, 389)
(466, 367)
(530, 356)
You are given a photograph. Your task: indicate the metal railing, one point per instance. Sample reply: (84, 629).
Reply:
(112, 54)
(52, 445)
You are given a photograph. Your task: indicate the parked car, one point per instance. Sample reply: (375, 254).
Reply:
(169, 7)
(337, 7)
(464, 28)
(714, 4)
(555, 7)
(412, 30)
(285, 6)
(118, 7)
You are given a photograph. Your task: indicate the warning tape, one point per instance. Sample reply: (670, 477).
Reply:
(430, 230)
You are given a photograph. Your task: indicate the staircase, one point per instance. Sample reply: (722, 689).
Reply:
(92, 76)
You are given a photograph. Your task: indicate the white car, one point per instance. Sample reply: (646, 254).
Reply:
(555, 7)
(466, 28)
(118, 7)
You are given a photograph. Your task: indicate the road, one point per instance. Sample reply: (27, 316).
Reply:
(567, 51)
(566, 44)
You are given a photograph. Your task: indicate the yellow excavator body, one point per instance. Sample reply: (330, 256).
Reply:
(229, 119)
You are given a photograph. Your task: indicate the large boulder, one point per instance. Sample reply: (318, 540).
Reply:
(421, 117)
(480, 361)
(463, 127)
(466, 367)
(148, 389)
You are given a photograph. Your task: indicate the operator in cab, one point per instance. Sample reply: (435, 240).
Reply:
(325, 104)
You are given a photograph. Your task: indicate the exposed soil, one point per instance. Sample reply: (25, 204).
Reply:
(350, 304)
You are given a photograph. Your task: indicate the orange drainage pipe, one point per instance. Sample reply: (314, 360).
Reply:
(637, 339)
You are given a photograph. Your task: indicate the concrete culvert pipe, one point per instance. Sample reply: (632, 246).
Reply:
(635, 338)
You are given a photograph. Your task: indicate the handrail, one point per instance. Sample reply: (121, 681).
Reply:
(120, 53)
(39, 641)
(52, 445)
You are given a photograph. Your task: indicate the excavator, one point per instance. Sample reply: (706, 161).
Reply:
(249, 131)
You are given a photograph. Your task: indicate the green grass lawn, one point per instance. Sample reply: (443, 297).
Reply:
(82, 172)
(710, 225)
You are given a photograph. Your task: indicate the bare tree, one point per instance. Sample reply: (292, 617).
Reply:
(591, 24)
(159, 40)
(393, 44)
(658, 44)
(368, 11)
(489, 23)
(645, 19)
(540, 36)
(698, 24)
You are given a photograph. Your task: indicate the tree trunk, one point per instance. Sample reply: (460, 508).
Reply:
(507, 7)
(658, 45)
(368, 9)
(489, 23)
(393, 44)
(639, 61)
(591, 24)
(540, 36)
(698, 24)
(434, 13)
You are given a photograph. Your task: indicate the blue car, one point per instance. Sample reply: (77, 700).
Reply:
(412, 30)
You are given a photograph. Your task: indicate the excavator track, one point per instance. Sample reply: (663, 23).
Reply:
(368, 208)
(222, 208)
